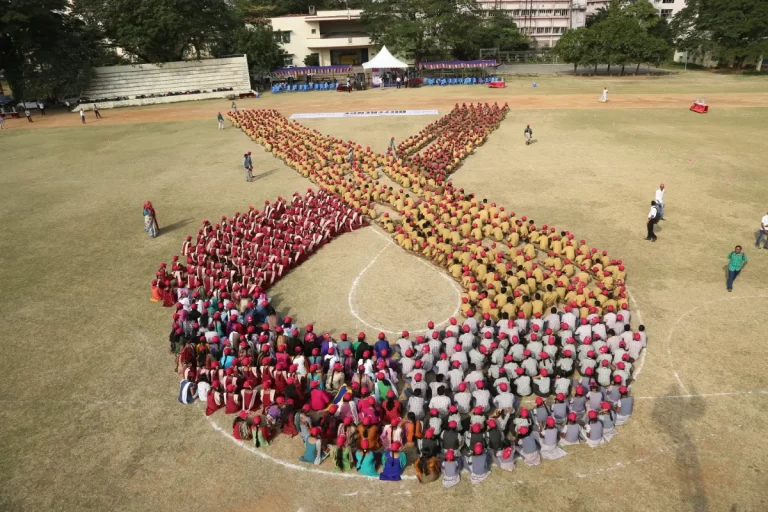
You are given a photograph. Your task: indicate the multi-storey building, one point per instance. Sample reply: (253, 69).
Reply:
(336, 37)
(544, 21)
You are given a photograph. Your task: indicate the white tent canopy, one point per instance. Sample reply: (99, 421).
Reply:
(384, 60)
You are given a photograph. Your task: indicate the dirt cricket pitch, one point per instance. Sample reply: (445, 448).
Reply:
(88, 413)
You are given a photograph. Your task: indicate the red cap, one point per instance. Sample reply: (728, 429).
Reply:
(476, 428)
(523, 430)
(550, 422)
(449, 455)
(539, 400)
(429, 433)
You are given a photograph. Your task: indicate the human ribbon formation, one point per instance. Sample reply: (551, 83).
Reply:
(549, 307)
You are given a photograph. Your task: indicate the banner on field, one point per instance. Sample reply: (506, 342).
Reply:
(365, 113)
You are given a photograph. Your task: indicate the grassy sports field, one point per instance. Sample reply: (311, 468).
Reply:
(88, 413)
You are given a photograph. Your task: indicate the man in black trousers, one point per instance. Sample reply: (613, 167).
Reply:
(653, 219)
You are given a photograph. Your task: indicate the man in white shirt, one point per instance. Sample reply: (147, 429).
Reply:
(398, 80)
(660, 201)
(653, 218)
(763, 232)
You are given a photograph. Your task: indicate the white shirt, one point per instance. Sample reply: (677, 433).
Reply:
(202, 390)
(398, 79)
(764, 221)
(652, 213)
(660, 196)
(82, 114)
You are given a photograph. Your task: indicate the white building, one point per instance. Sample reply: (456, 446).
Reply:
(543, 21)
(546, 20)
(337, 37)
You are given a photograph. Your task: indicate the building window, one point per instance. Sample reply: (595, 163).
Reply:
(286, 37)
(516, 12)
(545, 12)
(539, 30)
(314, 31)
(666, 13)
(561, 12)
(288, 60)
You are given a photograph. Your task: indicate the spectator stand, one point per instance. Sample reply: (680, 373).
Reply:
(306, 78)
(458, 72)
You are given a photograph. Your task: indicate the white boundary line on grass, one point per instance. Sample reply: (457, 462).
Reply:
(353, 289)
(677, 323)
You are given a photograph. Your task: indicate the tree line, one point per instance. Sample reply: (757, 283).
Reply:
(49, 47)
(626, 32)
(632, 32)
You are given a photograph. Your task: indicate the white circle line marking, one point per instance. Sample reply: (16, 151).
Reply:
(353, 289)
(680, 319)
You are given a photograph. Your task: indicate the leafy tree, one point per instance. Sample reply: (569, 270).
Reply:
(265, 53)
(686, 37)
(161, 30)
(251, 10)
(739, 28)
(596, 17)
(496, 29)
(626, 31)
(45, 50)
(313, 59)
(572, 47)
(435, 28)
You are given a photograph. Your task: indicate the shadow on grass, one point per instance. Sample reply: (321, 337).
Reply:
(262, 175)
(675, 419)
(176, 225)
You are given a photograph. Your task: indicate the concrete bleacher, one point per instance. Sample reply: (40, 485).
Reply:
(145, 79)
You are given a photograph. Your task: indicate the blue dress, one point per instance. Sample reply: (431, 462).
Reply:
(366, 465)
(393, 466)
(311, 450)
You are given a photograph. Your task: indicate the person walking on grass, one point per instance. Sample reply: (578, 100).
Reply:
(763, 232)
(220, 118)
(96, 111)
(604, 96)
(82, 115)
(737, 260)
(653, 219)
(28, 114)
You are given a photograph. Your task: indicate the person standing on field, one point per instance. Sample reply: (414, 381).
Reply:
(737, 260)
(660, 201)
(2, 122)
(653, 219)
(96, 111)
(763, 232)
(28, 114)
(82, 115)
(604, 96)
(398, 80)
(248, 167)
(221, 121)
(41, 107)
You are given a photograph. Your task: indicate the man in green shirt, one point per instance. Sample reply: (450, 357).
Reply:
(737, 260)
